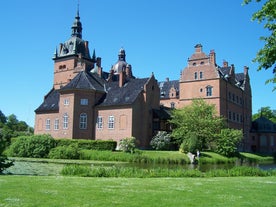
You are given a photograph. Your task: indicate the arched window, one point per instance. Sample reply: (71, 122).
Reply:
(83, 121)
(195, 75)
(65, 121)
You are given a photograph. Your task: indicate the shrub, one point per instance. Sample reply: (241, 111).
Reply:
(127, 144)
(4, 162)
(89, 144)
(227, 142)
(37, 146)
(161, 141)
(65, 152)
(191, 143)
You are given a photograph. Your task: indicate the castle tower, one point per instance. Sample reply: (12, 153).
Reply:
(72, 56)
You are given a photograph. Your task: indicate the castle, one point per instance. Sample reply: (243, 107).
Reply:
(89, 103)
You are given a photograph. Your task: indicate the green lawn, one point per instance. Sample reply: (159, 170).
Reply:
(77, 191)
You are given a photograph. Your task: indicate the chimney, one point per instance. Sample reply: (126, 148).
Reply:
(110, 76)
(99, 62)
(198, 48)
(225, 64)
(122, 77)
(212, 57)
(100, 71)
(232, 71)
(129, 71)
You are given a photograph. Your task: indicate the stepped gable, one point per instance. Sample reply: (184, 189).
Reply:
(50, 103)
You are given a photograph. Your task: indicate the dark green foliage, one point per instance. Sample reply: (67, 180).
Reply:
(127, 144)
(65, 152)
(37, 146)
(4, 162)
(191, 143)
(88, 144)
(161, 141)
(227, 142)
(196, 120)
(266, 56)
(266, 112)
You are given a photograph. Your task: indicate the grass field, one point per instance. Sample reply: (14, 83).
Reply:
(77, 191)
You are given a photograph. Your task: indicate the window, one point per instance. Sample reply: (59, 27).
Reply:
(195, 75)
(48, 124)
(83, 121)
(200, 75)
(209, 91)
(172, 105)
(100, 122)
(111, 122)
(66, 102)
(56, 124)
(229, 115)
(234, 116)
(84, 101)
(65, 121)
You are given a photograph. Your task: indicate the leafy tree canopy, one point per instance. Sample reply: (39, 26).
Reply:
(266, 56)
(198, 119)
(265, 112)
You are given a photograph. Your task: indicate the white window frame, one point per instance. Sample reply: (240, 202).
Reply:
(66, 102)
(56, 124)
(111, 122)
(65, 121)
(100, 122)
(84, 101)
(48, 124)
(83, 121)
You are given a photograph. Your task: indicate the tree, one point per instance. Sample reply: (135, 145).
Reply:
(227, 142)
(3, 118)
(266, 56)
(265, 112)
(4, 162)
(196, 120)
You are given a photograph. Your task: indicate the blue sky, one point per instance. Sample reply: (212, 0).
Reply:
(158, 36)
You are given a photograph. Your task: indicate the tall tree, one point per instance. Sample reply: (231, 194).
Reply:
(197, 121)
(266, 57)
(267, 113)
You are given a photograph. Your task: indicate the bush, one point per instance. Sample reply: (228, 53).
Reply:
(4, 162)
(227, 142)
(161, 141)
(88, 144)
(191, 143)
(37, 146)
(65, 152)
(127, 144)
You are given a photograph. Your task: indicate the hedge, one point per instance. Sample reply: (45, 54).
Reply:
(88, 144)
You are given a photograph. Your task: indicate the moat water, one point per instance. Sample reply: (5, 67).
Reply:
(45, 168)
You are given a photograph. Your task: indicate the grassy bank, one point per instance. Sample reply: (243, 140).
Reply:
(96, 192)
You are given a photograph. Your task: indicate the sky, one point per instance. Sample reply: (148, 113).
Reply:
(157, 35)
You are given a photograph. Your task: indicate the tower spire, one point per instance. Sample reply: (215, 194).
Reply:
(77, 26)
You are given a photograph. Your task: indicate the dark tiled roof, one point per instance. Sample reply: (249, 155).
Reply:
(262, 124)
(87, 81)
(240, 78)
(165, 87)
(123, 95)
(50, 103)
